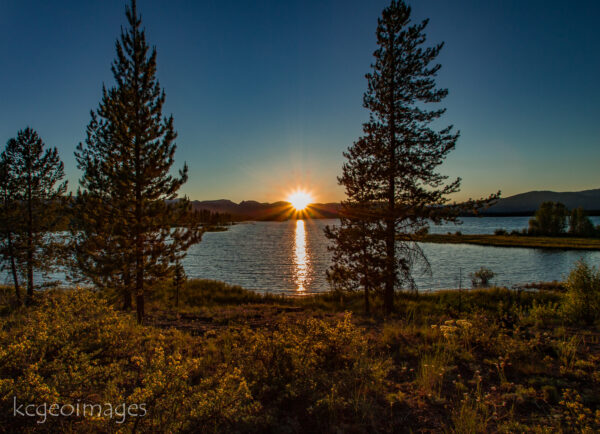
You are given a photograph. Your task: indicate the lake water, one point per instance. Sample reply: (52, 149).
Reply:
(291, 257)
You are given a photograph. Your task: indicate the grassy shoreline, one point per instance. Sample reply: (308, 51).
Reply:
(215, 228)
(538, 242)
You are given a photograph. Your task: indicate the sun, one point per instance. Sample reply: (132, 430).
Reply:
(300, 199)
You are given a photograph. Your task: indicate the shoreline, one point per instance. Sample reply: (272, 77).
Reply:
(532, 242)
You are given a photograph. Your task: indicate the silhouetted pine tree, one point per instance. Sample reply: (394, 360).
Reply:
(35, 174)
(9, 222)
(129, 229)
(357, 245)
(402, 149)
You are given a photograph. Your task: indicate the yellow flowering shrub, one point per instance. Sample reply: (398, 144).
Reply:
(247, 364)
(73, 348)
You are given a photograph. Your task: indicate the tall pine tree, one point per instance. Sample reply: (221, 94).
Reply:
(10, 222)
(401, 149)
(130, 230)
(35, 176)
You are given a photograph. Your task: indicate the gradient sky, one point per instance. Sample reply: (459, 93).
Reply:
(267, 94)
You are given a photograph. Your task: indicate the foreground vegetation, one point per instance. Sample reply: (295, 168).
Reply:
(514, 240)
(231, 360)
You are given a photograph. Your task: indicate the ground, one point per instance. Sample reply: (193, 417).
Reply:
(229, 360)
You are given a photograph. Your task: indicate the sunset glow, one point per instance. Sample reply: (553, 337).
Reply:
(300, 199)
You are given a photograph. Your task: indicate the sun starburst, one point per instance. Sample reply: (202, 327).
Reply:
(300, 199)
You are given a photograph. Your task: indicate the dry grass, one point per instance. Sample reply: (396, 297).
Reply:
(229, 360)
(563, 243)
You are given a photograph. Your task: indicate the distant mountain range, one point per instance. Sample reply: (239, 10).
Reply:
(527, 203)
(519, 204)
(252, 210)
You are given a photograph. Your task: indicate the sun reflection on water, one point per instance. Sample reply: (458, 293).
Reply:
(301, 259)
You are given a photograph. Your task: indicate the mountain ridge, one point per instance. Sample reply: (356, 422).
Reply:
(528, 202)
(254, 210)
(519, 204)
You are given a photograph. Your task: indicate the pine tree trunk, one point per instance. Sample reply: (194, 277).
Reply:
(139, 245)
(127, 296)
(390, 244)
(13, 267)
(29, 245)
(139, 279)
(29, 273)
(139, 300)
(127, 300)
(390, 237)
(366, 276)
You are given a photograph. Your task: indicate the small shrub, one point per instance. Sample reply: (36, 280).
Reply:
(500, 232)
(582, 299)
(481, 278)
(544, 314)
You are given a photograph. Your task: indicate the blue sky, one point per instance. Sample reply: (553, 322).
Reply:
(266, 95)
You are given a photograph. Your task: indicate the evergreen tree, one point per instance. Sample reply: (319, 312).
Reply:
(9, 222)
(357, 243)
(129, 228)
(36, 174)
(402, 148)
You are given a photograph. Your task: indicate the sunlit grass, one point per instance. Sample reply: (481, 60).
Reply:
(231, 359)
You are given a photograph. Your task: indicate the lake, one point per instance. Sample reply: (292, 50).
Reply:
(291, 257)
